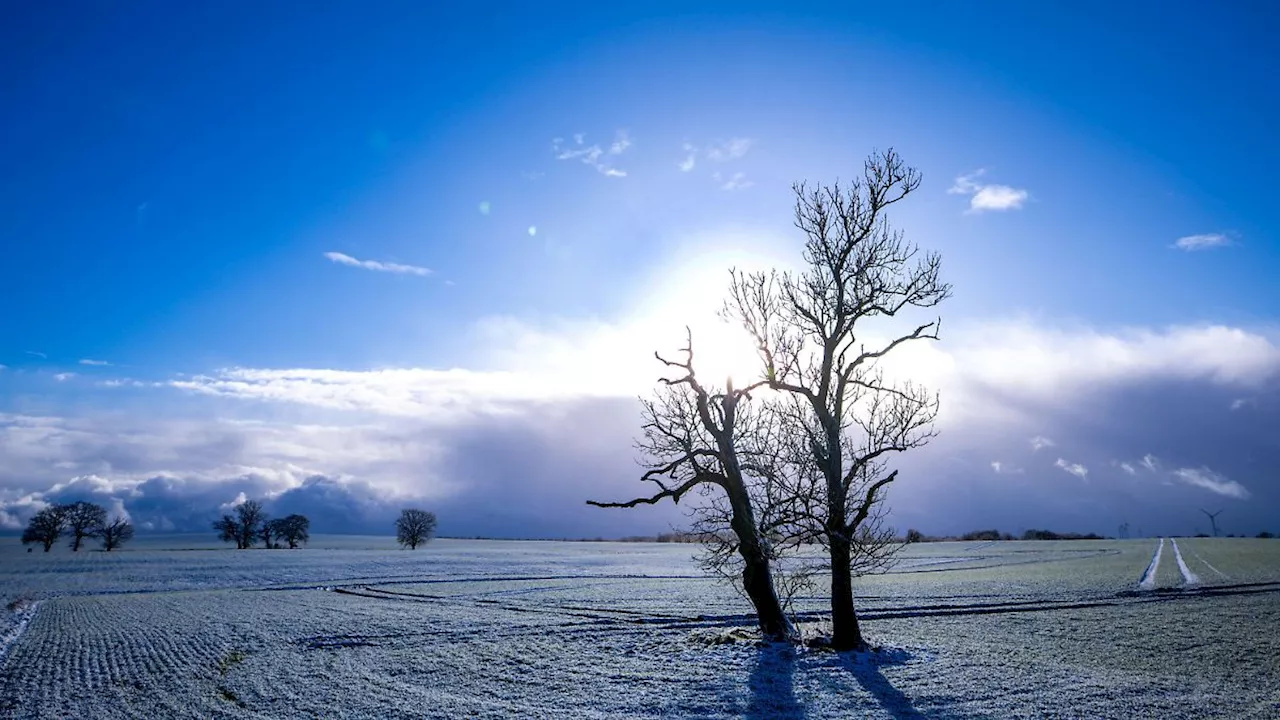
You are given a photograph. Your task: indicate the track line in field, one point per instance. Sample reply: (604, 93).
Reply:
(25, 614)
(1148, 581)
(1188, 577)
(1206, 564)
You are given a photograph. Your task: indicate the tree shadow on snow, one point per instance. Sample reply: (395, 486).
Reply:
(772, 684)
(865, 669)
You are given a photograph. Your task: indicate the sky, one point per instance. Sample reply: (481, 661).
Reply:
(355, 257)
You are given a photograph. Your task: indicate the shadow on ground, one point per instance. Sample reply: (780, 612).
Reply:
(773, 680)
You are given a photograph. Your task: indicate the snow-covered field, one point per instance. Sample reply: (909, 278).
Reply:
(178, 627)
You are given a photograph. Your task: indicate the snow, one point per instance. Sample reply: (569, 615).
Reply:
(613, 630)
(1188, 577)
(1148, 581)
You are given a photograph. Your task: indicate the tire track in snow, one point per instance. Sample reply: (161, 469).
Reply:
(23, 612)
(1148, 581)
(1206, 564)
(1188, 577)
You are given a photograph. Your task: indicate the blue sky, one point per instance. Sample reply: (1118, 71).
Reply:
(175, 176)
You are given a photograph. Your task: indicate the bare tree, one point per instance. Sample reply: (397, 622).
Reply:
(249, 521)
(228, 530)
(695, 437)
(811, 333)
(269, 532)
(415, 527)
(115, 533)
(45, 527)
(292, 529)
(84, 520)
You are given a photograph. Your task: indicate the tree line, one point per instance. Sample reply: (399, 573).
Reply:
(80, 521)
(250, 524)
(246, 526)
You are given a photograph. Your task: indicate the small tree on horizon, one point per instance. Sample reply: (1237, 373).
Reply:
(83, 520)
(115, 533)
(249, 520)
(292, 529)
(415, 527)
(45, 527)
(228, 530)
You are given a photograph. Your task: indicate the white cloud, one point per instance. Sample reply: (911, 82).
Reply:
(1213, 482)
(1076, 469)
(87, 361)
(34, 353)
(1150, 462)
(731, 149)
(1243, 402)
(690, 158)
(378, 266)
(1038, 442)
(985, 196)
(620, 143)
(593, 155)
(737, 181)
(1204, 241)
(63, 377)
(1128, 468)
(1001, 468)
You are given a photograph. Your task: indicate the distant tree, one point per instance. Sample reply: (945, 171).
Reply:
(83, 519)
(1265, 535)
(268, 531)
(981, 535)
(915, 536)
(249, 520)
(415, 527)
(293, 529)
(115, 533)
(228, 530)
(45, 527)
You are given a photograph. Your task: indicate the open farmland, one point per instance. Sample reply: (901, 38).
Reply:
(355, 628)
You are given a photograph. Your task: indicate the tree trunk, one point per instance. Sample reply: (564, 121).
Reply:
(757, 574)
(845, 633)
(757, 580)
(75, 544)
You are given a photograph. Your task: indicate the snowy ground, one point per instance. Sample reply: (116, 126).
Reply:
(353, 627)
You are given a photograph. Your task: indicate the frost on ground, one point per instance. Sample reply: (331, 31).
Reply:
(1188, 577)
(564, 630)
(1148, 581)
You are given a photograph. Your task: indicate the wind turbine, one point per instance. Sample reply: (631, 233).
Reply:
(1213, 520)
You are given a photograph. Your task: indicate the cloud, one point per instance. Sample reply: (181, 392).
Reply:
(100, 363)
(1076, 469)
(731, 149)
(984, 197)
(690, 158)
(1239, 403)
(1204, 241)
(34, 353)
(378, 266)
(1150, 463)
(1038, 442)
(1128, 468)
(737, 181)
(593, 155)
(63, 377)
(1213, 482)
(1002, 468)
